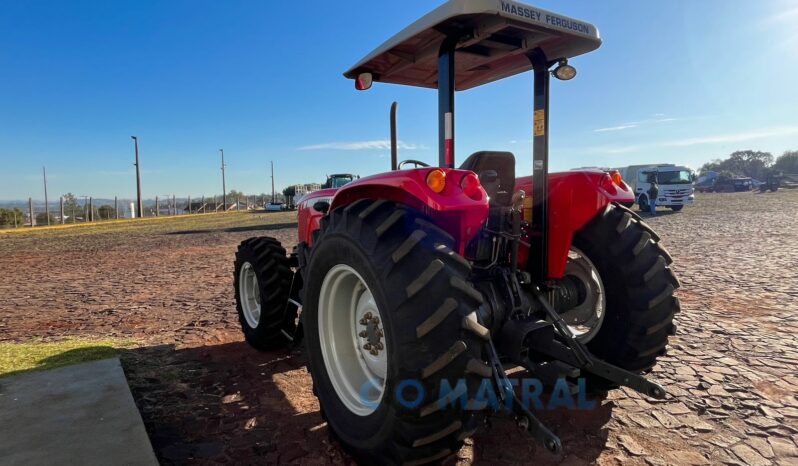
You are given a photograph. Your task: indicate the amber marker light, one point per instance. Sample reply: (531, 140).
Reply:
(436, 180)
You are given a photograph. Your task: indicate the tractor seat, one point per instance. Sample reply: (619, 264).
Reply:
(496, 172)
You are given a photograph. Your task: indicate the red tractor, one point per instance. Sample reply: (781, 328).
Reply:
(415, 289)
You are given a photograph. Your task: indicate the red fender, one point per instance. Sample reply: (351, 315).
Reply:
(308, 218)
(574, 199)
(458, 214)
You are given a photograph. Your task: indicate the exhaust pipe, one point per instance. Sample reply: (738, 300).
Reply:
(394, 154)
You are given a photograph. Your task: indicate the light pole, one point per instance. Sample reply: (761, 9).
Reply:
(224, 185)
(85, 208)
(272, 181)
(46, 203)
(138, 177)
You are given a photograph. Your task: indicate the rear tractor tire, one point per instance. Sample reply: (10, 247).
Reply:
(262, 280)
(389, 317)
(639, 286)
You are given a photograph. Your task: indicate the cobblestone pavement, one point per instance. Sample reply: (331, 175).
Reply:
(207, 398)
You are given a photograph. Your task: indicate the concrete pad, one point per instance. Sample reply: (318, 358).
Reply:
(82, 414)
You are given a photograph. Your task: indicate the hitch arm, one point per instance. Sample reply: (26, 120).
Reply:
(575, 354)
(615, 374)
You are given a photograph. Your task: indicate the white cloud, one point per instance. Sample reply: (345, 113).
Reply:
(658, 118)
(380, 144)
(734, 137)
(615, 128)
(762, 133)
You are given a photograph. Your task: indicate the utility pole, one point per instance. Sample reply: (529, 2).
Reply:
(46, 205)
(272, 181)
(138, 178)
(224, 183)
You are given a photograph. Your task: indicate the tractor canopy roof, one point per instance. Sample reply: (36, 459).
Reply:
(493, 40)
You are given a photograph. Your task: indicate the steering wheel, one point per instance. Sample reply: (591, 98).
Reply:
(417, 163)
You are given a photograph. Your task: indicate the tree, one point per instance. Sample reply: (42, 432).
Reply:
(787, 162)
(749, 163)
(289, 191)
(71, 208)
(11, 217)
(106, 212)
(41, 219)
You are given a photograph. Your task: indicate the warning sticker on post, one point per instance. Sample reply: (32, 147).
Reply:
(540, 123)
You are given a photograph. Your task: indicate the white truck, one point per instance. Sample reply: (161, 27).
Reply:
(675, 184)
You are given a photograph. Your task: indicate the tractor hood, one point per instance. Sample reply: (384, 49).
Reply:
(494, 38)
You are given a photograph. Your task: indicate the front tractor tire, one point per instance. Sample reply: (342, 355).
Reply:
(262, 280)
(389, 316)
(639, 286)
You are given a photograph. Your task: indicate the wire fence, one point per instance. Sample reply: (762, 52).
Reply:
(85, 209)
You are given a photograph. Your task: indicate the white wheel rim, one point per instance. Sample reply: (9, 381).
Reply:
(585, 319)
(352, 339)
(249, 294)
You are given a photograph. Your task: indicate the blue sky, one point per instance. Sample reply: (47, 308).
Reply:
(679, 81)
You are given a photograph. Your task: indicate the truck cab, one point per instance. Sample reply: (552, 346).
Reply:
(675, 184)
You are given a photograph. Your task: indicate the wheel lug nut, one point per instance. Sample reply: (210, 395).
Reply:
(367, 316)
(374, 352)
(379, 346)
(367, 346)
(376, 320)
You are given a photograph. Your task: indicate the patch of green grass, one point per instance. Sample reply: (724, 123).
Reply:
(16, 358)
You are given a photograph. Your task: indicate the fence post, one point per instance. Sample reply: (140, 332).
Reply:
(91, 208)
(61, 203)
(174, 205)
(157, 206)
(30, 211)
(116, 207)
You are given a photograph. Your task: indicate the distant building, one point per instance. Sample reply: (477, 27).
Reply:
(302, 189)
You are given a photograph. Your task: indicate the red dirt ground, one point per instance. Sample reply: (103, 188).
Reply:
(207, 398)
